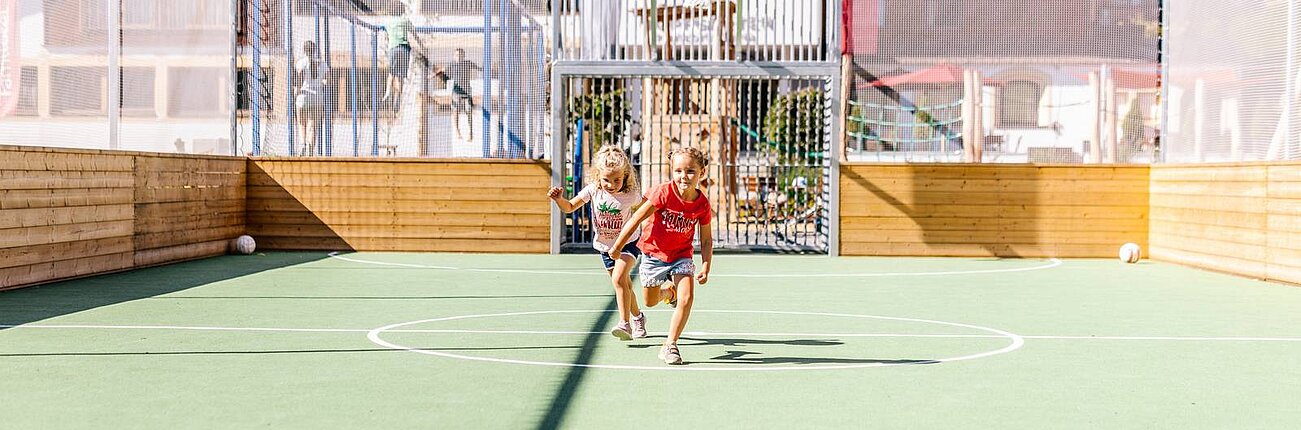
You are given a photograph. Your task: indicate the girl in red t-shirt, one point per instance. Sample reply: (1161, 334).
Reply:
(675, 209)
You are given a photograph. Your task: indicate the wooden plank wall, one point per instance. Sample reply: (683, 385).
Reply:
(1000, 210)
(400, 205)
(70, 213)
(1242, 218)
(187, 206)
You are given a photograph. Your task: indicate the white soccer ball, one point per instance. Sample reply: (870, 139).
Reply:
(245, 244)
(1130, 253)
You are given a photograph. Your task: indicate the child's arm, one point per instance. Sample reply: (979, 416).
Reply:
(631, 226)
(706, 252)
(569, 206)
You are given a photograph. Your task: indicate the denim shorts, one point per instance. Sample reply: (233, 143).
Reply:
(630, 249)
(654, 272)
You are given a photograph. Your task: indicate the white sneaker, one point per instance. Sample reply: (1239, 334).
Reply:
(639, 326)
(622, 331)
(669, 353)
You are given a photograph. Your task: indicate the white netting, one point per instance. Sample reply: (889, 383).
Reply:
(1038, 81)
(57, 88)
(474, 86)
(1234, 81)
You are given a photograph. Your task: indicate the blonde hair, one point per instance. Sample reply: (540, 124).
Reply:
(695, 155)
(612, 159)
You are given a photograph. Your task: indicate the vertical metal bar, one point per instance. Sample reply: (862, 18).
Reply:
(557, 36)
(654, 29)
(114, 73)
(374, 92)
(512, 91)
(577, 174)
(352, 88)
(539, 97)
(332, 102)
(486, 106)
(1163, 140)
(289, 77)
(737, 25)
(255, 76)
(558, 127)
(832, 163)
(232, 89)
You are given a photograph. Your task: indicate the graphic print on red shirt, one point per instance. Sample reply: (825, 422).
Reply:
(673, 225)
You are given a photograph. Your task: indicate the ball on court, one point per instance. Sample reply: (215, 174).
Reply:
(1130, 253)
(245, 244)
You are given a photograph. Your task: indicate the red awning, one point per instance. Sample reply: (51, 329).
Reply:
(937, 74)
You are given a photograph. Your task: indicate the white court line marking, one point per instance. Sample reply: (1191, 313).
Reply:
(687, 333)
(1052, 262)
(1016, 343)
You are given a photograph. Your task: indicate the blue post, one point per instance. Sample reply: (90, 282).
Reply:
(331, 102)
(255, 87)
(513, 63)
(289, 78)
(374, 92)
(578, 173)
(487, 78)
(352, 89)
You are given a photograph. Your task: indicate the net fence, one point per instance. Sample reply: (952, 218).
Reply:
(1234, 81)
(1002, 81)
(393, 78)
(169, 92)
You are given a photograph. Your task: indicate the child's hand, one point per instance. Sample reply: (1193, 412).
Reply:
(554, 192)
(702, 277)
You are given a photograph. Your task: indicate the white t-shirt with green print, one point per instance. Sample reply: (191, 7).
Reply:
(609, 213)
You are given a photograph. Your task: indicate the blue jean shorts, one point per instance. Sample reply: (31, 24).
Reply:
(654, 272)
(630, 249)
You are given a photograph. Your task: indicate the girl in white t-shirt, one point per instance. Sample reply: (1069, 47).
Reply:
(614, 195)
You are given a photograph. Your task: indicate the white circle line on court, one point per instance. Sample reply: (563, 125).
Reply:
(1016, 343)
(688, 333)
(1052, 262)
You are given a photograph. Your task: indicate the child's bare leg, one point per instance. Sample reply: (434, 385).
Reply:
(686, 289)
(652, 295)
(456, 124)
(621, 277)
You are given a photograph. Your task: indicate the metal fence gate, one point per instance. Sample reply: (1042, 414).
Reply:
(768, 133)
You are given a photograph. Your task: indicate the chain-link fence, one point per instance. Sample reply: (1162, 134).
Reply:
(149, 75)
(1234, 81)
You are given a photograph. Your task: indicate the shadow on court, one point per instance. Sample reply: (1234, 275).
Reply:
(750, 357)
(559, 406)
(41, 302)
(538, 296)
(274, 352)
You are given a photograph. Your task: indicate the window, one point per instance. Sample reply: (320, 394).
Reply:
(1019, 104)
(138, 91)
(27, 92)
(94, 14)
(195, 91)
(78, 91)
(204, 14)
(244, 87)
(139, 13)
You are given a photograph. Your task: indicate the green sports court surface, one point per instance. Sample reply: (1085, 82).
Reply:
(393, 340)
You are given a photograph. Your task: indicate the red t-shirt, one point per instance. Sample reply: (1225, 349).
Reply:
(673, 226)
